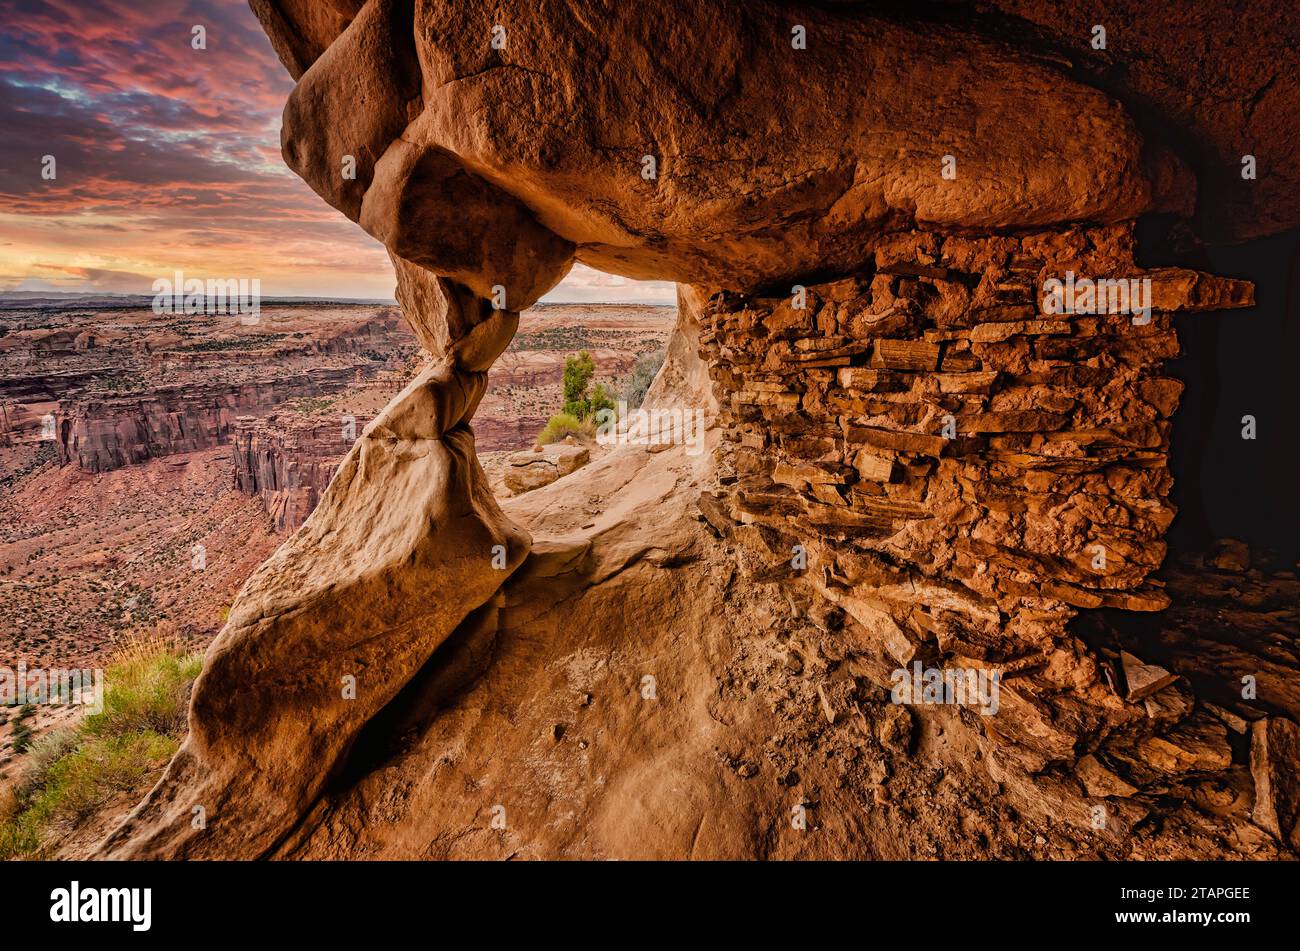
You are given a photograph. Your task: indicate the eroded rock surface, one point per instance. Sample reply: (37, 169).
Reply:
(330, 628)
(534, 468)
(919, 462)
(288, 461)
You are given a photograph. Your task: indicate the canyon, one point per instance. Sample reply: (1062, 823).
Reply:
(172, 432)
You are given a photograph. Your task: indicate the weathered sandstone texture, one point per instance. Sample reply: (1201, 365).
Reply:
(1221, 78)
(529, 469)
(920, 465)
(327, 631)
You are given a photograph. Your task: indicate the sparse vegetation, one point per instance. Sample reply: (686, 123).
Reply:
(643, 374)
(247, 342)
(581, 403)
(73, 772)
(310, 405)
(554, 338)
(566, 424)
(22, 731)
(122, 383)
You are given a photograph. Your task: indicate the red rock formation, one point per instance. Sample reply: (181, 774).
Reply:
(126, 399)
(288, 461)
(102, 434)
(962, 471)
(929, 464)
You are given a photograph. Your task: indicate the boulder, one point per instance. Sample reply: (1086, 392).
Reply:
(532, 469)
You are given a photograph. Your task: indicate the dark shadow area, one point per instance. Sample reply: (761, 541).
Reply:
(1237, 366)
(1232, 620)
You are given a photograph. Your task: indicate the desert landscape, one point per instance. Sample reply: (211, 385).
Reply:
(118, 428)
(205, 431)
(756, 431)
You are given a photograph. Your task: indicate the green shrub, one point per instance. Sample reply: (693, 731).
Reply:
(643, 374)
(566, 424)
(22, 737)
(22, 732)
(599, 400)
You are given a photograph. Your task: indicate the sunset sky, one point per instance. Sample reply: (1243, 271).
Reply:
(168, 158)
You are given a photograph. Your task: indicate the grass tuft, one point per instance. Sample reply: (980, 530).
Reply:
(146, 689)
(566, 424)
(74, 772)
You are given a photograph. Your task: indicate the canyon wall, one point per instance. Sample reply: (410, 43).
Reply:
(103, 433)
(175, 384)
(288, 461)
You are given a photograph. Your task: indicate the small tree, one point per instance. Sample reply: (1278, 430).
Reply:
(578, 371)
(577, 402)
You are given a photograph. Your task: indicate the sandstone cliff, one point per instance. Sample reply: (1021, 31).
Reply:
(102, 434)
(288, 461)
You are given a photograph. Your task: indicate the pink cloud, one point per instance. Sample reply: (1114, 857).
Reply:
(168, 156)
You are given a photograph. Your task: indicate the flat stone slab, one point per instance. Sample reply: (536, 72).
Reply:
(532, 469)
